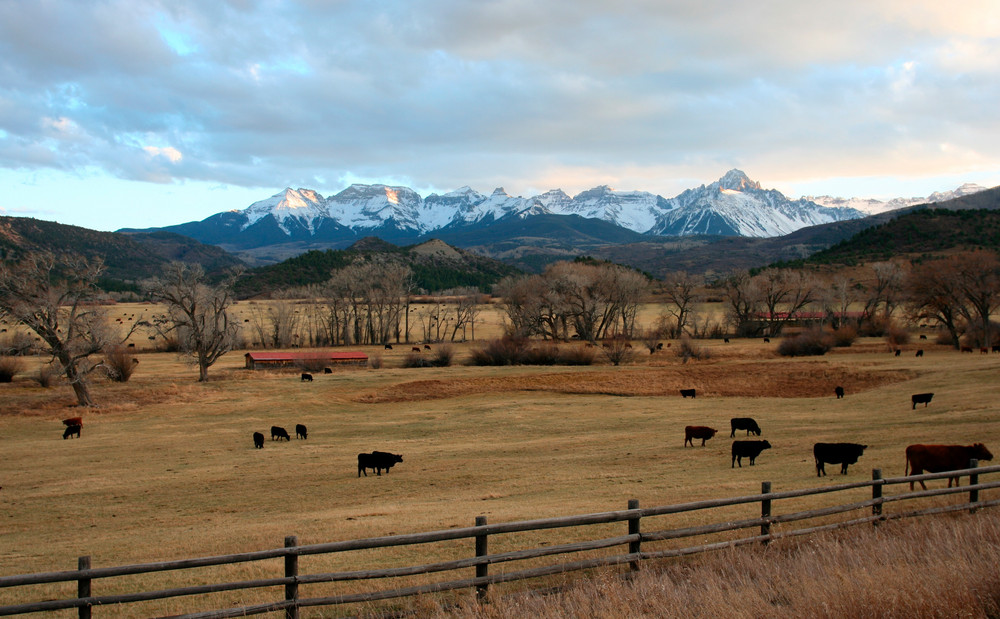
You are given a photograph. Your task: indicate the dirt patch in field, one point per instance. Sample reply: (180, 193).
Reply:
(771, 380)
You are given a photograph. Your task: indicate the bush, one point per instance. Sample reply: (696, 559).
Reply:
(416, 360)
(375, 361)
(311, 365)
(577, 355)
(119, 364)
(811, 342)
(686, 350)
(844, 336)
(442, 356)
(508, 350)
(618, 350)
(20, 343)
(874, 327)
(9, 366)
(545, 353)
(896, 336)
(46, 376)
(944, 338)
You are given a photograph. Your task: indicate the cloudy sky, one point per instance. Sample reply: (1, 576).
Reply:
(137, 113)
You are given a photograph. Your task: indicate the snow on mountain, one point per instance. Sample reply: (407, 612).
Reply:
(304, 205)
(736, 205)
(733, 205)
(373, 206)
(871, 206)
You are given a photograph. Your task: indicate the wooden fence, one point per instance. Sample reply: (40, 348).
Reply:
(637, 541)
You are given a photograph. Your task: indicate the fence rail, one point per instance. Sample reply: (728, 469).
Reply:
(635, 516)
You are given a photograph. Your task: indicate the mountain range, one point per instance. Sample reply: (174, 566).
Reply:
(297, 220)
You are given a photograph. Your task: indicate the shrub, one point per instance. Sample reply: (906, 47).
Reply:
(944, 338)
(375, 361)
(20, 343)
(844, 336)
(311, 365)
(508, 350)
(416, 360)
(442, 356)
(874, 327)
(545, 353)
(119, 364)
(811, 342)
(618, 350)
(46, 376)
(577, 355)
(9, 366)
(896, 336)
(686, 350)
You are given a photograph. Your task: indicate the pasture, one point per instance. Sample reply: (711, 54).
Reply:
(166, 468)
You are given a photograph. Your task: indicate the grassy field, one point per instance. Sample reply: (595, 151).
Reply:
(166, 468)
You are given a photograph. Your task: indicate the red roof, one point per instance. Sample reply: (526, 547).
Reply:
(295, 356)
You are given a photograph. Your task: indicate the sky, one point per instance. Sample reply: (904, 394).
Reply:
(138, 113)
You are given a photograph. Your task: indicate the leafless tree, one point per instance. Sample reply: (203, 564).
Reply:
(54, 297)
(783, 293)
(680, 290)
(883, 290)
(837, 298)
(197, 313)
(743, 297)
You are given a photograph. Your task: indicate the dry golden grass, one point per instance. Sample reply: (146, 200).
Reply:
(166, 469)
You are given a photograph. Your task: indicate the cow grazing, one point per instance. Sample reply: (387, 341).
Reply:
(258, 440)
(838, 391)
(921, 398)
(307, 377)
(767, 340)
(327, 371)
(301, 432)
(743, 423)
(984, 351)
(996, 349)
(427, 346)
(923, 337)
(702, 432)
(415, 349)
(687, 393)
(388, 346)
(73, 421)
(377, 460)
(836, 453)
(725, 340)
(72, 430)
(898, 352)
(659, 346)
(747, 449)
(920, 352)
(941, 458)
(966, 348)
(278, 433)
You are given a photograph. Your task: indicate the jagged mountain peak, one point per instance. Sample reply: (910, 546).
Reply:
(737, 180)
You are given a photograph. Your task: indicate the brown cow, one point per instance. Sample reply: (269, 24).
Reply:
(702, 432)
(941, 458)
(73, 421)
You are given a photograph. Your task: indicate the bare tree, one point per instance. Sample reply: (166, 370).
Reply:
(837, 298)
(783, 293)
(680, 290)
(978, 280)
(54, 297)
(197, 313)
(744, 299)
(883, 290)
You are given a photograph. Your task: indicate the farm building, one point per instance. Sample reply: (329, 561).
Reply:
(267, 359)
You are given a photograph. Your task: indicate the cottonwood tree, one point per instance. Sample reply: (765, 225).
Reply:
(963, 288)
(680, 291)
(55, 297)
(197, 313)
(743, 297)
(783, 293)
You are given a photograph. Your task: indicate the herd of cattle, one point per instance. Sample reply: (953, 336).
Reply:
(376, 460)
(278, 433)
(919, 458)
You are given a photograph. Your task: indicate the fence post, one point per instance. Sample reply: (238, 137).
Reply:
(633, 529)
(482, 549)
(83, 587)
(877, 495)
(973, 480)
(765, 509)
(292, 571)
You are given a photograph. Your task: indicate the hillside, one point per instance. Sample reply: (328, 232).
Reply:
(128, 258)
(924, 231)
(435, 265)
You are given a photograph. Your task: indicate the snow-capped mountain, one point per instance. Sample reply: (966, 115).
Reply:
(737, 206)
(871, 206)
(734, 205)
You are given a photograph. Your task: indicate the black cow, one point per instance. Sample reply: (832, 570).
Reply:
(838, 391)
(996, 349)
(921, 398)
(71, 430)
(836, 453)
(923, 337)
(258, 440)
(920, 353)
(377, 460)
(278, 433)
(300, 431)
(702, 432)
(687, 393)
(897, 352)
(743, 423)
(747, 449)
(388, 346)
(307, 377)
(767, 340)
(725, 340)
(327, 371)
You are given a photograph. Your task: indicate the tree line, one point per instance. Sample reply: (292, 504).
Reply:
(58, 299)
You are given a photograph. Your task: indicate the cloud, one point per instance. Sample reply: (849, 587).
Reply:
(514, 92)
